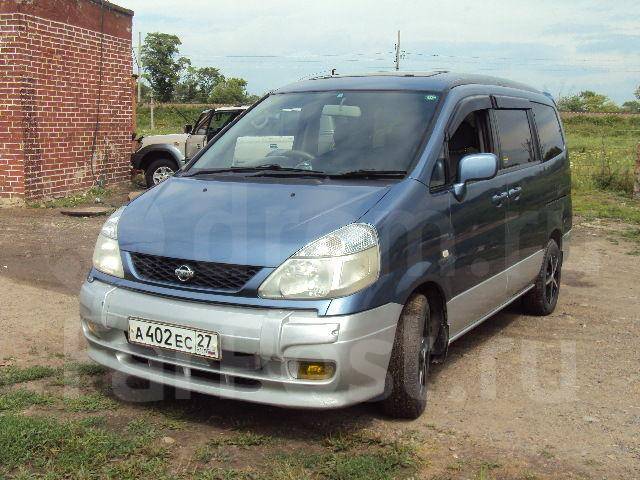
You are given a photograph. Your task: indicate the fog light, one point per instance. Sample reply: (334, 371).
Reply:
(96, 329)
(315, 370)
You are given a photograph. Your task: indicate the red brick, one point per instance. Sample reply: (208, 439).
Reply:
(48, 97)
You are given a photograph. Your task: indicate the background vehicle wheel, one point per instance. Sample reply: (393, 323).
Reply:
(406, 384)
(542, 299)
(159, 171)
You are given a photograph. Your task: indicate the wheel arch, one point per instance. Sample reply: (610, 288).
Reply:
(156, 152)
(438, 310)
(557, 236)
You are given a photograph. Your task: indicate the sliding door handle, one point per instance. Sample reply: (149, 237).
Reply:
(499, 198)
(514, 193)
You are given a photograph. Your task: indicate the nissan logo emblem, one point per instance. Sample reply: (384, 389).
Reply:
(185, 273)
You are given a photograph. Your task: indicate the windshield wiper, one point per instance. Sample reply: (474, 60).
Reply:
(258, 168)
(371, 174)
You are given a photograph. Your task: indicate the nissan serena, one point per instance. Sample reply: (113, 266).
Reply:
(328, 245)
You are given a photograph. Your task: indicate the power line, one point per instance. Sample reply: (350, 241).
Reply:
(496, 61)
(371, 55)
(487, 64)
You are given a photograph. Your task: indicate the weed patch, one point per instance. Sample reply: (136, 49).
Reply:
(61, 449)
(20, 399)
(94, 195)
(13, 375)
(93, 402)
(89, 369)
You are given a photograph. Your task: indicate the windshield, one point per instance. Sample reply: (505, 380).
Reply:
(328, 132)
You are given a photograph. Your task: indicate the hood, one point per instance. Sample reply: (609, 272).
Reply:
(176, 139)
(242, 223)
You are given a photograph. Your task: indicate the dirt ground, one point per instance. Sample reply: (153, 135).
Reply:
(555, 397)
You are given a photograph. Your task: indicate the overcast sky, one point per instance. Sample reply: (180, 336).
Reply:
(558, 46)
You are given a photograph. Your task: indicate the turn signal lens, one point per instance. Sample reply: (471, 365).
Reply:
(315, 370)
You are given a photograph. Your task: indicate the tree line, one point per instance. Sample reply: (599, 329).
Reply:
(590, 101)
(169, 77)
(172, 78)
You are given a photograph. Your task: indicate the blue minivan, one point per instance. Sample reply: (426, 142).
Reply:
(327, 246)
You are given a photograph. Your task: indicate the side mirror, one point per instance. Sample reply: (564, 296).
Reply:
(474, 167)
(188, 128)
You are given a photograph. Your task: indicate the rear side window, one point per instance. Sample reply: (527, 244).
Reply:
(549, 132)
(516, 145)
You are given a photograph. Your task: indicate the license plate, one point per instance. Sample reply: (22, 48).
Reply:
(172, 337)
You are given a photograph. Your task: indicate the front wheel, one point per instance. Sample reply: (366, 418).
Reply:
(406, 384)
(158, 171)
(543, 297)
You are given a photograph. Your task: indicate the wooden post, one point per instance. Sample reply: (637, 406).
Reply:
(636, 185)
(153, 124)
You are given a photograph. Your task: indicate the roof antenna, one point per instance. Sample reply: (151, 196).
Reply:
(398, 54)
(333, 72)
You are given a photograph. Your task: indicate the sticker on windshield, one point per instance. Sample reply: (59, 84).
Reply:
(431, 98)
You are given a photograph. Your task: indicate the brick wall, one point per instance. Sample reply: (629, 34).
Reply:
(65, 96)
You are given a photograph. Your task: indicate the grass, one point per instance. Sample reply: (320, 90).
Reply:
(61, 449)
(45, 447)
(593, 204)
(380, 462)
(78, 374)
(93, 402)
(602, 151)
(168, 119)
(93, 195)
(633, 235)
(12, 375)
(16, 400)
(89, 369)
(340, 457)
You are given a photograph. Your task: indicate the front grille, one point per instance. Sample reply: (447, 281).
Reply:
(212, 276)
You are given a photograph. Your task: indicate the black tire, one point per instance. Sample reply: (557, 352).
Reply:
(162, 164)
(406, 382)
(543, 297)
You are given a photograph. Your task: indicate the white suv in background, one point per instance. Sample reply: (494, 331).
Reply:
(162, 155)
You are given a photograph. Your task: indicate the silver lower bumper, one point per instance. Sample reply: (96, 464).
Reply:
(257, 344)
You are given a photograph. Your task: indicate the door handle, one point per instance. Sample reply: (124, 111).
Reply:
(498, 198)
(514, 193)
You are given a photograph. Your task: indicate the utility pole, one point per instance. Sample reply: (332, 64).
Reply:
(398, 52)
(139, 68)
(152, 105)
(636, 185)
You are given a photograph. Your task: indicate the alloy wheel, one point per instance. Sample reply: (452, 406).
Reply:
(423, 364)
(161, 174)
(552, 278)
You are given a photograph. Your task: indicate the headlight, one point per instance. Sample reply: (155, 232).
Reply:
(106, 256)
(336, 265)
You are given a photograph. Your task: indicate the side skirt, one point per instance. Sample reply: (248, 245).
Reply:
(490, 314)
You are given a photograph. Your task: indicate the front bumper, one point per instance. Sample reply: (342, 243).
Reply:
(136, 160)
(257, 344)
